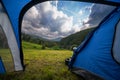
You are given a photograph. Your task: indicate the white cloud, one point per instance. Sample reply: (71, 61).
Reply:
(46, 21)
(32, 13)
(80, 12)
(76, 28)
(56, 2)
(67, 25)
(86, 20)
(97, 13)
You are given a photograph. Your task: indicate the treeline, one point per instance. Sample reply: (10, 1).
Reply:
(43, 42)
(66, 43)
(74, 40)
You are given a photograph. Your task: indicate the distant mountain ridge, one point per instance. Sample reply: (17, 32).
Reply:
(34, 36)
(57, 39)
(63, 43)
(45, 43)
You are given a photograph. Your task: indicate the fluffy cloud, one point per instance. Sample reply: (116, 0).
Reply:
(98, 12)
(46, 21)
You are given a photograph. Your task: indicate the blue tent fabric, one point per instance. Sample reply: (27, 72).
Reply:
(117, 1)
(13, 8)
(116, 44)
(2, 68)
(88, 37)
(96, 56)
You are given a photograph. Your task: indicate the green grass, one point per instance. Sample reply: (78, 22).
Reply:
(28, 45)
(43, 65)
(7, 59)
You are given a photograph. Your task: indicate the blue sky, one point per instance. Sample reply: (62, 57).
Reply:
(58, 19)
(78, 10)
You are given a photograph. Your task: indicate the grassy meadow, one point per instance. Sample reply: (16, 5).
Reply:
(40, 64)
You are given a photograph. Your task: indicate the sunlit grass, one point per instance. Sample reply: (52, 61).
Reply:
(48, 64)
(27, 45)
(43, 65)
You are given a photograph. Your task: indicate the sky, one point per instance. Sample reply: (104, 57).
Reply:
(58, 19)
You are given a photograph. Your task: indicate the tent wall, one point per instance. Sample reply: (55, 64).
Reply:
(118, 1)
(13, 9)
(96, 56)
(8, 30)
(2, 68)
(116, 44)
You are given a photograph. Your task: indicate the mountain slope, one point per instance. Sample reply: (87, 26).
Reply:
(28, 45)
(38, 40)
(74, 39)
(65, 43)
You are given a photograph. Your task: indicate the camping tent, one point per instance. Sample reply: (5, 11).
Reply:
(98, 56)
(12, 12)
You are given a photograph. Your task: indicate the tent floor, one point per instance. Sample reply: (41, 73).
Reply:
(85, 74)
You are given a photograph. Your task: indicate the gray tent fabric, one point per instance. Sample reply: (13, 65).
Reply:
(116, 45)
(12, 43)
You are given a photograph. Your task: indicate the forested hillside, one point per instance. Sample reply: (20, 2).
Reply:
(41, 41)
(74, 39)
(65, 43)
